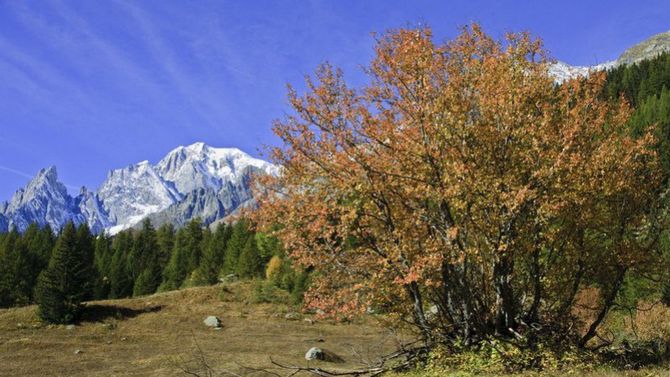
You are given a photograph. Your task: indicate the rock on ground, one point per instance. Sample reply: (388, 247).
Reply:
(316, 353)
(212, 321)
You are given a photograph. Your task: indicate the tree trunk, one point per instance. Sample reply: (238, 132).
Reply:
(607, 305)
(505, 308)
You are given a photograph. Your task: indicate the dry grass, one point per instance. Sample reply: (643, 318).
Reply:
(155, 335)
(600, 373)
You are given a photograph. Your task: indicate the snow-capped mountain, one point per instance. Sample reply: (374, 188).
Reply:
(90, 207)
(562, 71)
(201, 166)
(191, 181)
(130, 194)
(646, 49)
(44, 200)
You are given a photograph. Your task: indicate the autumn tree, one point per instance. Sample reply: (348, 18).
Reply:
(464, 180)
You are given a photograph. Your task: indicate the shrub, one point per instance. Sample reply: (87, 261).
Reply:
(274, 269)
(266, 292)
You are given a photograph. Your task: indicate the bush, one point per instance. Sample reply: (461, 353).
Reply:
(494, 357)
(274, 269)
(266, 292)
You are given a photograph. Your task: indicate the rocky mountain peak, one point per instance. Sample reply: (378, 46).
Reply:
(44, 200)
(647, 49)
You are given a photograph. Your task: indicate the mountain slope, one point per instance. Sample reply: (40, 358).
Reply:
(647, 49)
(200, 166)
(132, 193)
(89, 205)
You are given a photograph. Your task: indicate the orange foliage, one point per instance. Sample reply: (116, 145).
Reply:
(462, 177)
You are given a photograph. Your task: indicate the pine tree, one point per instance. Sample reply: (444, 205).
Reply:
(38, 244)
(212, 258)
(194, 243)
(121, 283)
(250, 264)
(238, 239)
(165, 238)
(176, 270)
(145, 261)
(103, 262)
(16, 274)
(268, 247)
(62, 286)
(86, 250)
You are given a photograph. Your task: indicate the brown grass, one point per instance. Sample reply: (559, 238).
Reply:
(159, 334)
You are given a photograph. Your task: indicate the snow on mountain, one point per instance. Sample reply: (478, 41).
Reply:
(130, 194)
(201, 166)
(562, 71)
(191, 181)
(91, 208)
(44, 201)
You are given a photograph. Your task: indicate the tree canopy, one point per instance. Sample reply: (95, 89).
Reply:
(463, 190)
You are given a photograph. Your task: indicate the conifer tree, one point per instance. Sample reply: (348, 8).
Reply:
(194, 239)
(86, 250)
(62, 286)
(234, 247)
(250, 264)
(103, 261)
(177, 268)
(38, 244)
(165, 238)
(121, 283)
(16, 273)
(213, 254)
(145, 261)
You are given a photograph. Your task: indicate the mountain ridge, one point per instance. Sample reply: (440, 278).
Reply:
(646, 49)
(190, 181)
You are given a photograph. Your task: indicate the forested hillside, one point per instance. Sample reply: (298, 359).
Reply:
(646, 85)
(134, 263)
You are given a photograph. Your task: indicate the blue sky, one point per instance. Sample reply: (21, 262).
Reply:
(93, 85)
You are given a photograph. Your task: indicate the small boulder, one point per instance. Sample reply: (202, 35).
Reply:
(69, 327)
(316, 353)
(213, 321)
(77, 352)
(292, 316)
